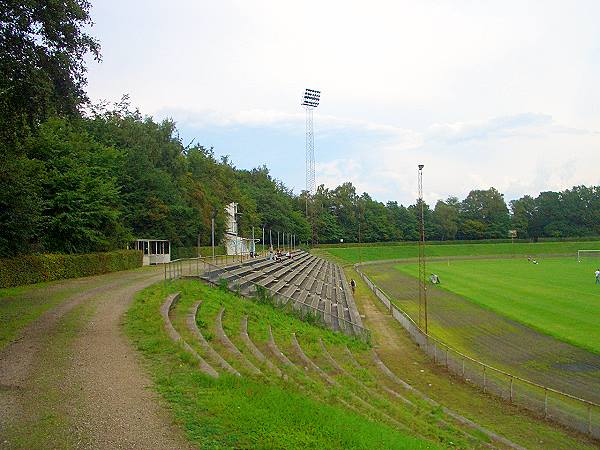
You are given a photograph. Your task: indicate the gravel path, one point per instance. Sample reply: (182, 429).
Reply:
(100, 395)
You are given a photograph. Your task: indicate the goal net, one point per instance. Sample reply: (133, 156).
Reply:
(587, 254)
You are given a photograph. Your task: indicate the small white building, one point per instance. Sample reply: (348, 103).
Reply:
(234, 244)
(156, 251)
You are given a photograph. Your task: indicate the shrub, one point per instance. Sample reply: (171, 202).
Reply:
(29, 269)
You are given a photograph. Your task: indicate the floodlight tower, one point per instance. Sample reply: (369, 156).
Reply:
(310, 101)
(422, 261)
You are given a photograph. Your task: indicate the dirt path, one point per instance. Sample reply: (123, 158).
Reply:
(73, 380)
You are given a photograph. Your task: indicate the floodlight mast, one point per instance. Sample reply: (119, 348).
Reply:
(422, 260)
(310, 101)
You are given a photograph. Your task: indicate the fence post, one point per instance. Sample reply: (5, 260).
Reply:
(511, 389)
(463, 367)
(446, 356)
(590, 420)
(545, 403)
(434, 353)
(484, 381)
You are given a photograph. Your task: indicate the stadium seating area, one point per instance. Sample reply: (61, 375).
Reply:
(303, 279)
(226, 338)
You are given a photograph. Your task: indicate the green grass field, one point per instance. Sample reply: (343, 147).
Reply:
(557, 296)
(251, 412)
(411, 250)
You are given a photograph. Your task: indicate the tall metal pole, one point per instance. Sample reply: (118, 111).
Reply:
(278, 240)
(263, 241)
(310, 153)
(212, 234)
(253, 246)
(422, 260)
(310, 101)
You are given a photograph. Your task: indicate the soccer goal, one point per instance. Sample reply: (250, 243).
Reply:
(587, 253)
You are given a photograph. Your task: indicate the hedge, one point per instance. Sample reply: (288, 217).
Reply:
(29, 269)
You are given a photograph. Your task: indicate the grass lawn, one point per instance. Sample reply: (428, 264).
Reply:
(411, 250)
(247, 412)
(557, 296)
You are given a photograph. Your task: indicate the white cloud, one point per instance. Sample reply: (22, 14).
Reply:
(478, 91)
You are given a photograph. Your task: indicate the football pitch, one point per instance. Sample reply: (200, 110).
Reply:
(558, 296)
(356, 254)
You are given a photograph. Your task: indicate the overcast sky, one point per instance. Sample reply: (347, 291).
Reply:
(484, 93)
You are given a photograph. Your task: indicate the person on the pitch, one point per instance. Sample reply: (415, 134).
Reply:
(597, 276)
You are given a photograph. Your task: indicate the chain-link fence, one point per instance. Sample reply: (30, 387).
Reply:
(568, 410)
(219, 274)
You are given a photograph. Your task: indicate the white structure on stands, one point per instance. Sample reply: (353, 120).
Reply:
(234, 244)
(156, 251)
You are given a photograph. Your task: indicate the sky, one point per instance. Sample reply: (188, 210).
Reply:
(483, 93)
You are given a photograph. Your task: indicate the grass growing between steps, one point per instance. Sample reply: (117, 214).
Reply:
(246, 412)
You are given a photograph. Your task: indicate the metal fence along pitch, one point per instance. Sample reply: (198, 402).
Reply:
(568, 410)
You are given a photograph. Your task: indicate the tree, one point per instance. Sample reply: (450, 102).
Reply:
(523, 212)
(445, 218)
(42, 67)
(488, 208)
(81, 198)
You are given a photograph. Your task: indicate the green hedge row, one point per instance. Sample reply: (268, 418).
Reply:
(30, 269)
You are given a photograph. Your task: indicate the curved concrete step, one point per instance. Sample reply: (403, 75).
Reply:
(175, 336)
(463, 420)
(254, 349)
(333, 382)
(276, 352)
(212, 353)
(340, 369)
(230, 346)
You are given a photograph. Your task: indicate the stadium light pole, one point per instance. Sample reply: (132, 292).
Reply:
(310, 101)
(422, 260)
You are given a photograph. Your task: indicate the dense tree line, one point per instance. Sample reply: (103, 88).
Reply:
(484, 214)
(80, 178)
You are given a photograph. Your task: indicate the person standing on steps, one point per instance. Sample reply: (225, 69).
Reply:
(353, 285)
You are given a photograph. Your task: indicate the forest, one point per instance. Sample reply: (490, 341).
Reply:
(78, 177)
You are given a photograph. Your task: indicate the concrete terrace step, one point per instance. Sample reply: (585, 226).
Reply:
(212, 353)
(175, 336)
(230, 346)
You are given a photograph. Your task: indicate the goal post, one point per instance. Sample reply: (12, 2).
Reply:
(583, 253)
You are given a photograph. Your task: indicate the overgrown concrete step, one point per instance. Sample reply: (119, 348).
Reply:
(310, 363)
(254, 349)
(175, 336)
(212, 353)
(463, 420)
(374, 394)
(230, 346)
(272, 345)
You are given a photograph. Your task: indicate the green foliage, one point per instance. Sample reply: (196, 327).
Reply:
(28, 269)
(42, 69)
